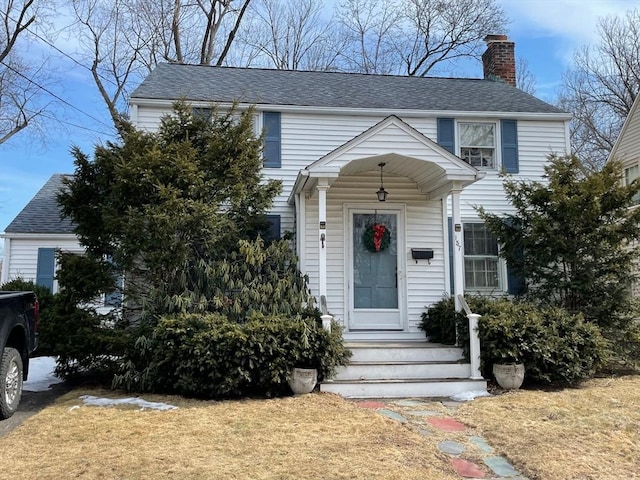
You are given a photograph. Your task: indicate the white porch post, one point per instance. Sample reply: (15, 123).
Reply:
(458, 253)
(323, 239)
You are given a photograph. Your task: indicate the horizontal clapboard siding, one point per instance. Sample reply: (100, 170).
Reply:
(23, 255)
(423, 229)
(536, 141)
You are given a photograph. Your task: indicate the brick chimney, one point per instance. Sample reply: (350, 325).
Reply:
(498, 61)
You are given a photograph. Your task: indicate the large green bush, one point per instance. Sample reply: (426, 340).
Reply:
(209, 356)
(556, 347)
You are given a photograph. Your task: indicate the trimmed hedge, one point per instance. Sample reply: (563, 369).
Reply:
(209, 356)
(556, 347)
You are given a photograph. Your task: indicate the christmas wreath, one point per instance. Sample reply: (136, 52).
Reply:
(376, 237)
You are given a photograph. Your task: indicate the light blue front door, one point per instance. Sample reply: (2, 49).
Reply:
(375, 288)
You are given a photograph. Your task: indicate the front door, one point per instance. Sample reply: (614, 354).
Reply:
(375, 291)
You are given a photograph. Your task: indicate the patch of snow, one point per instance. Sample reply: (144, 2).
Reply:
(110, 402)
(41, 375)
(470, 395)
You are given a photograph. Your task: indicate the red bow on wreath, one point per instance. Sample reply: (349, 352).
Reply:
(378, 235)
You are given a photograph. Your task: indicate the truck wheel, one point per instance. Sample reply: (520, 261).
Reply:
(10, 382)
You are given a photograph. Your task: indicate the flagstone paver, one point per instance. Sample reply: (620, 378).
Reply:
(481, 444)
(423, 413)
(470, 455)
(501, 467)
(466, 469)
(393, 415)
(451, 448)
(446, 424)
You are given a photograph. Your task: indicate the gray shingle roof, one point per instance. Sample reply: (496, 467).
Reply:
(330, 89)
(42, 213)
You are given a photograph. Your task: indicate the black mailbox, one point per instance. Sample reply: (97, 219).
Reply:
(421, 253)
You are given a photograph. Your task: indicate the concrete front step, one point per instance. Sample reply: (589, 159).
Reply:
(399, 369)
(404, 352)
(406, 369)
(402, 388)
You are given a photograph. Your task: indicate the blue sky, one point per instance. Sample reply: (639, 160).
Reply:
(546, 33)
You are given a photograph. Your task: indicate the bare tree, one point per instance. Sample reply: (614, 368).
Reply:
(601, 87)
(441, 30)
(525, 79)
(291, 35)
(20, 102)
(111, 49)
(121, 40)
(370, 28)
(413, 37)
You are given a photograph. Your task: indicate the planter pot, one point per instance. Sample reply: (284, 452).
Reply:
(302, 380)
(509, 376)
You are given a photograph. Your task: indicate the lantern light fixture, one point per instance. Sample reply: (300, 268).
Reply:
(382, 193)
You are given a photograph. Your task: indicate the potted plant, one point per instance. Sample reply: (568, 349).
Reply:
(509, 375)
(304, 376)
(503, 346)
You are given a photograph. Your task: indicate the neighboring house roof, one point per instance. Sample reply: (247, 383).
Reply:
(42, 213)
(336, 90)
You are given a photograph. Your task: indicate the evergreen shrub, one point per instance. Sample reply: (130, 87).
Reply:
(210, 356)
(556, 347)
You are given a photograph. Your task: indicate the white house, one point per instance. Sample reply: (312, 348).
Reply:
(339, 142)
(627, 150)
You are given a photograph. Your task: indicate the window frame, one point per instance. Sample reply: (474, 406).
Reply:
(271, 139)
(501, 272)
(628, 179)
(496, 143)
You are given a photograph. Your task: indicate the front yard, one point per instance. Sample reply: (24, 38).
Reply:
(591, 432)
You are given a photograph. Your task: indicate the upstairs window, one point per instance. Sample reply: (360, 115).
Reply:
(481, 267)
(272, 142)
(630, 174)
(478, 144)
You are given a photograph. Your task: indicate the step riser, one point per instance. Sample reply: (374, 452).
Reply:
(381, 372)
(382, 355)
(402, 389)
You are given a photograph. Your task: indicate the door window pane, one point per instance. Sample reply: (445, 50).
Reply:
(374, 273)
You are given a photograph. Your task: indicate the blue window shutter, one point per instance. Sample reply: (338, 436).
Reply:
(272, 141)
(451, 278)
(273, 233)
(515, 279)
(114, 298)
(46, 267)
(446, 134)
(509, 134)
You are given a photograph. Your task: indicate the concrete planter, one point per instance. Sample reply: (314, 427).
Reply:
(302, 380)
(509, 376)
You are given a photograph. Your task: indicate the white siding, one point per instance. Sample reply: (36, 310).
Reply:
(22, 259)
(628, 145)
(425, 283)
(536, 141)
(308, 137)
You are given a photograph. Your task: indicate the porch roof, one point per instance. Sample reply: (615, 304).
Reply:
(405, 151)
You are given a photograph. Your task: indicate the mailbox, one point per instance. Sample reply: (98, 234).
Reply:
(422, 253)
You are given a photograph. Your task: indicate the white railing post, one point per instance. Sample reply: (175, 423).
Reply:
(474, 339)
(326, 318)
(474, 346)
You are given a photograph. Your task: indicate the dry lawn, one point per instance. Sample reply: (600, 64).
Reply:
(310, 437)
(588, 433)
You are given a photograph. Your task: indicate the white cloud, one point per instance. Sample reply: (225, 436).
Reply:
(573, 22)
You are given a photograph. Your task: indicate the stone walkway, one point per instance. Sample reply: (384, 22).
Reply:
(470, 455)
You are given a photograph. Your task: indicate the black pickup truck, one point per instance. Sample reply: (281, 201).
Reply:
(18, 339)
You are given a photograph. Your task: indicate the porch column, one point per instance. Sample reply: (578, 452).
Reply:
(322, 187)
(458, 253)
